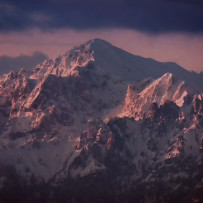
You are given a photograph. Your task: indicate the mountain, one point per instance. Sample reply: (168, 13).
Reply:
(101, 125)
(118, 63)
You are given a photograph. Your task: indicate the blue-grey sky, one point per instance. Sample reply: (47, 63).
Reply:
(144, 15)
(28, 26)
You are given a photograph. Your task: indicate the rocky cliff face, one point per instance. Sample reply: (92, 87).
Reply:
(85, 122)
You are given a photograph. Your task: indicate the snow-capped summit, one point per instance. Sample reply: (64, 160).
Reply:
(115, 61)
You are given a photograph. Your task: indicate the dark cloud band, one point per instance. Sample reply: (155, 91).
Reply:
(145, 15)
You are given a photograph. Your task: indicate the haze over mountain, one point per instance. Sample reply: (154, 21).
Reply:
(16, 63)
(100, 124)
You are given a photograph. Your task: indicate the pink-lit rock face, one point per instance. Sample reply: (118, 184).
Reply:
(166, 88)
(94, 114)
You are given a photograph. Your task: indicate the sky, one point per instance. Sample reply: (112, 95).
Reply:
(166, 30)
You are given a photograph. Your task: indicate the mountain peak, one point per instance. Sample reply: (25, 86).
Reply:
(97, 41)
(90, 44)
(167, 79)
(96, 45)
(167, 75)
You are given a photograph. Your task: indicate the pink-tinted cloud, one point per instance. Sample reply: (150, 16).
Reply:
(184, 49)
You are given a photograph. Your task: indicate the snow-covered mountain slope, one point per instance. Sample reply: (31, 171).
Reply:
(86, 117)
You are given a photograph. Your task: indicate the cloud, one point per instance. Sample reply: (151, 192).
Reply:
(196, 2)
(146, 15)
(8, 63)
